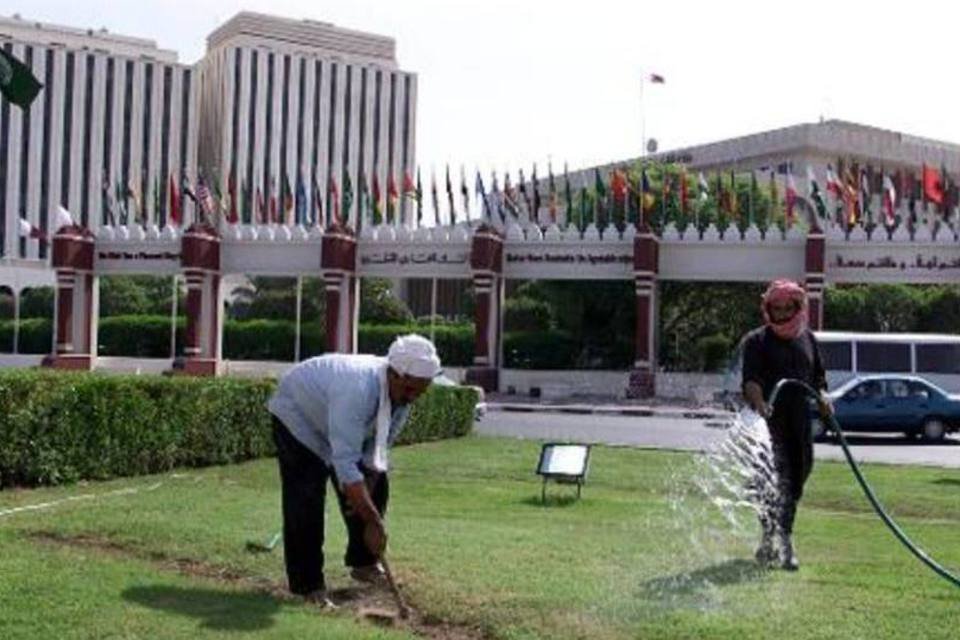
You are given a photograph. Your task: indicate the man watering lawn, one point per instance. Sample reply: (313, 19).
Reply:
(784, 348)
(335, 416)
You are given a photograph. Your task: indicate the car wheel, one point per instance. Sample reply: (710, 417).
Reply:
(817, 430)
(934, 430)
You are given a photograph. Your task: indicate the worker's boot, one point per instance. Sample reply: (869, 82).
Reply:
(788, 558)
(373, 574)
(766, 554)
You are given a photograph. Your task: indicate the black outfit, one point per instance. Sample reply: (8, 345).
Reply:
(767, 359)
(304, 477)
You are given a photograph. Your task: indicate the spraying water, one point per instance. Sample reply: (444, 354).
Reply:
(716, 503)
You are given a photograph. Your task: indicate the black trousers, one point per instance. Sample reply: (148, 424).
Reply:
(303, 477)
(792, 445)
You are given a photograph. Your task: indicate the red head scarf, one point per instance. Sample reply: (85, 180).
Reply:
(780, 291)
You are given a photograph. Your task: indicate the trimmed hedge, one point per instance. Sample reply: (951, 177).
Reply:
(58, 427)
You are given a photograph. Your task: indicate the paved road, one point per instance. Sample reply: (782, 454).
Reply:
(693, 434)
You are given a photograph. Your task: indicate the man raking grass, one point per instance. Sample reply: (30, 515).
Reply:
(335, 417)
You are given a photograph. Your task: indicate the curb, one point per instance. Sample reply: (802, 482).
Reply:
(636, 412)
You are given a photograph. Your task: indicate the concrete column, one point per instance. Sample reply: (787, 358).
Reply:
(76, 300)
(338, 263)
(815, 260)
(646, 260)
(200, 261)
(486, 263)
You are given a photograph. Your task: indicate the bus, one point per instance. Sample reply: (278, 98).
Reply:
(935, 357)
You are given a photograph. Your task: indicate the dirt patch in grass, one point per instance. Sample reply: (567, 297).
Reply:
(369, 603)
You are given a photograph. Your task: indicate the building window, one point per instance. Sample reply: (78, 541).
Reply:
(87, 142)
(406, 121)
(318, 72)
(147, 130)
(165, 144)
(391, 128)
(24, 154)
(251, 130)
(235, 126)
(127, 108)
(376, 119)
(284, 125)
(4, 141)
(302, 96)
(185, 120)
(67, 132)
(837, 356)
(45, 153)
(347, 120)
(330, 129)
(108, 136)
(267, 184)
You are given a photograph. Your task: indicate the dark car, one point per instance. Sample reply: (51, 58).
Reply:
(894, 403)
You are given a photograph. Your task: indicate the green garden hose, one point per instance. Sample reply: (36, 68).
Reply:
(887, 520)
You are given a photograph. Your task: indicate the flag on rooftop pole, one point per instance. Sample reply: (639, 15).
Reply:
(17, 83)
(300, 217)
(393, 198)
(866, 195)
(419, 198)
(568, 195)
(363, 204)
(535, 197)
(600, 188)
(552, 194)
(752, 197)
(408, 192)
(683, 191)
(482, 192)
(246, 201)
(620, 190)
(815, 195)
(377, 199)
(522, 187)
(157, 197)
(465, 192)
(453, 210)
(347, 210)
(435, 197)
(106, 201)
(945, 190)
(791, 198)
(774, 198)
(318, 219)
(334, 192)
(889, 201)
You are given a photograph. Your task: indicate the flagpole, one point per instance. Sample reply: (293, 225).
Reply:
(296, 344)
(643, 122)
(173, 320)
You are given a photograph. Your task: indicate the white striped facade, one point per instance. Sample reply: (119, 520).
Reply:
(112, 110)
(276, 111)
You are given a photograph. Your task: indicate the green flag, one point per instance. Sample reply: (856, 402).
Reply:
(17, 83)
(600, 188)
(347, 196)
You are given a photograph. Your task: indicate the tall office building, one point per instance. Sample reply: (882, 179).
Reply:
(294, 103)
(116, 117)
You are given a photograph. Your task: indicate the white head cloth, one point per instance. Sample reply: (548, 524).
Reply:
(415, 356)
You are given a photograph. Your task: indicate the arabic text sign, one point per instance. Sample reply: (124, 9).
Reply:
(414, 262)
(907, 265)
(569, 263)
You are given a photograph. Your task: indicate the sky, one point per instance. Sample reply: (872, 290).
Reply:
(505, 84)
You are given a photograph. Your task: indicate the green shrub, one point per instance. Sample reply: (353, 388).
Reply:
(714, 352)
(58, 427)
(455, 343)
(540, 350)
(527, 314)
(138, 336)
(443, 412)
(35, 335)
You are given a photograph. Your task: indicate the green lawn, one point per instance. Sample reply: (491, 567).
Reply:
(474, 547)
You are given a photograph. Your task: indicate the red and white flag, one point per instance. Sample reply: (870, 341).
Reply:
(27, 230)
(334, 191)
(791, 197)
(889, 200)
(833, 183)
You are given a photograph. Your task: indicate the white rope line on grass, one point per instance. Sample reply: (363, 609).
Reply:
(87, 496)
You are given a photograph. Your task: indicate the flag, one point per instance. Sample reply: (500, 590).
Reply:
(133, 191)
(392, 198)
(409, 189)
(814, 193)
(334, 194)
(865, 196)
(600, 188)
(274, 216)
(945, 191)
(347, 198)
(850, 197)
(301, 200)
(465, 192)
(17, 83)
(107, 202)
(774, 197)
(157, 197)
(833, 183)
(245, 202)
(752, 196)
(495, 195)
(27, 230)
(217, 198)
(261, 207)
(656, 78)
(364, 202)
(551, 194)
(568, 193)
(703, 186)
(453, 211)
(286, 198)
(318, 218)
(683, 191)
(435, 197)
(480, 191)
(63, 218)
(647, 199)
(233, 211)
(618, 185)
(889, 201)
(523, 192)
(734, 205)
(535, 197)
(419, 199)
(377, 198)
(791, 198)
